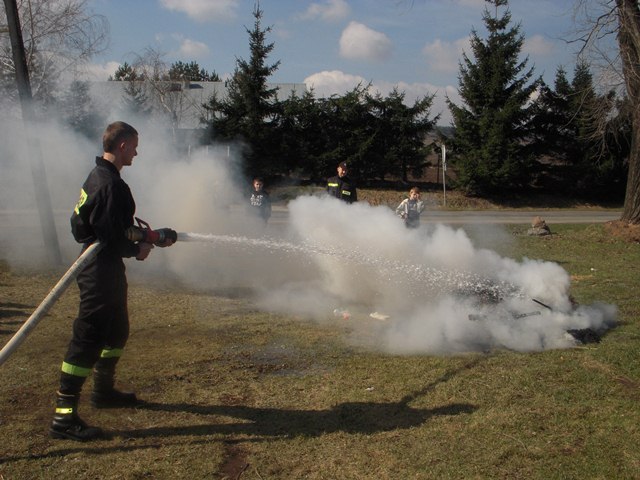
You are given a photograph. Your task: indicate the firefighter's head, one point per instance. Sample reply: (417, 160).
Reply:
(120, 143)
(342, 169)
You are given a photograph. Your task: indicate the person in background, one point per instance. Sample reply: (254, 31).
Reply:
(411, 208)
(259, 201)
(104, 213)
(341, 185)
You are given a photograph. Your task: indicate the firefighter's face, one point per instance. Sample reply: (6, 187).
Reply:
(342, 171)
(129, 150)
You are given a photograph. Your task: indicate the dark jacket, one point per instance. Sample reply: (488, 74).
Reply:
(105, 211)
(342, 188)
(260, 204)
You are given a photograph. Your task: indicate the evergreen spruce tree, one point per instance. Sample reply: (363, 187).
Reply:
(191, 72)
(351, 132)
(303, 135)
(569, 130)
(250, 111)
(135, 98)
(554, 135)
(78, 111)
(599, 158)
(126, 73)
(398, 147)
(493, 126)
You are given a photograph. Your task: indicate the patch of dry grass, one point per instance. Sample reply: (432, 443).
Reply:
(235, 392)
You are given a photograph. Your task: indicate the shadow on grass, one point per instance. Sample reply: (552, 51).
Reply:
(9, 309)
(265, 423)
(350, 417)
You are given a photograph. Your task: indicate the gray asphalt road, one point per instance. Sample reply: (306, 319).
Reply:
(280, 215)
(13, 219)
(550, 216)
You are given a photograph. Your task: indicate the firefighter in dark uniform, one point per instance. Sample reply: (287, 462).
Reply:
(341, 185)
(104, 212)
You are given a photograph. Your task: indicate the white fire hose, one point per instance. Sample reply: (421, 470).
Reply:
(49, 300)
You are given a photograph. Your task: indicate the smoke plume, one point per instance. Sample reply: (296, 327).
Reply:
(435, 290)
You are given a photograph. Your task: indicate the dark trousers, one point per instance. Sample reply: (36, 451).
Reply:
(102, 322)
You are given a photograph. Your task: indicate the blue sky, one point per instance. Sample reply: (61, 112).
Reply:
(334, 44)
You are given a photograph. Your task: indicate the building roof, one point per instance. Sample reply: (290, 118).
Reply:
(182, 101)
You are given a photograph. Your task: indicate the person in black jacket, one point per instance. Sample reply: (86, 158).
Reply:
(341, 186)
(104, 213)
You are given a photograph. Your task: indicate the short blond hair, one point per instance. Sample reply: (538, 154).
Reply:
(115, 133)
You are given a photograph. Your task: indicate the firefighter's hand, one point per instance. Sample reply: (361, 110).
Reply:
(145, 248)
(167, 243)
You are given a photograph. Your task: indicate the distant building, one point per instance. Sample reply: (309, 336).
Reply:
(178, 103)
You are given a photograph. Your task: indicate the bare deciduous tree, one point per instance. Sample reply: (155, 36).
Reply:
(602, 22)
(166, 95)
(58, 35)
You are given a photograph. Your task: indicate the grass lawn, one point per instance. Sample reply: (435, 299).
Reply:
(236, 392)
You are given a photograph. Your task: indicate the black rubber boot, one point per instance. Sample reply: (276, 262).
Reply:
(67, 424)
(105, 395)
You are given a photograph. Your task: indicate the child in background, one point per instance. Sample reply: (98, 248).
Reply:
(411, 208)
(259, 201)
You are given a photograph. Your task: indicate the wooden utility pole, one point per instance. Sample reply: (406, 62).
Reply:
(43, 199)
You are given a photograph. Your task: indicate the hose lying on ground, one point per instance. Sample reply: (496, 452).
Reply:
(48, 301)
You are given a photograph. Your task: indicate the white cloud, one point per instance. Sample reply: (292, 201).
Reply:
(330, 11)
(444, 56)
(281, 31)
(359, 42)
(332, 82)
(193, 49)
(537, 45)
(203, 10)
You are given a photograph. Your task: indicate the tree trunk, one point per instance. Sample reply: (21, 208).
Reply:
(631, 211)
(629, 42)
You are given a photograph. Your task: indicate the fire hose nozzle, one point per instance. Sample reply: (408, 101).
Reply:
(160, 236)
(144, 233)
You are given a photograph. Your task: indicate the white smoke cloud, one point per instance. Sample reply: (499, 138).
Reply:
(62, 156)
(442, 292)
(359, 42)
